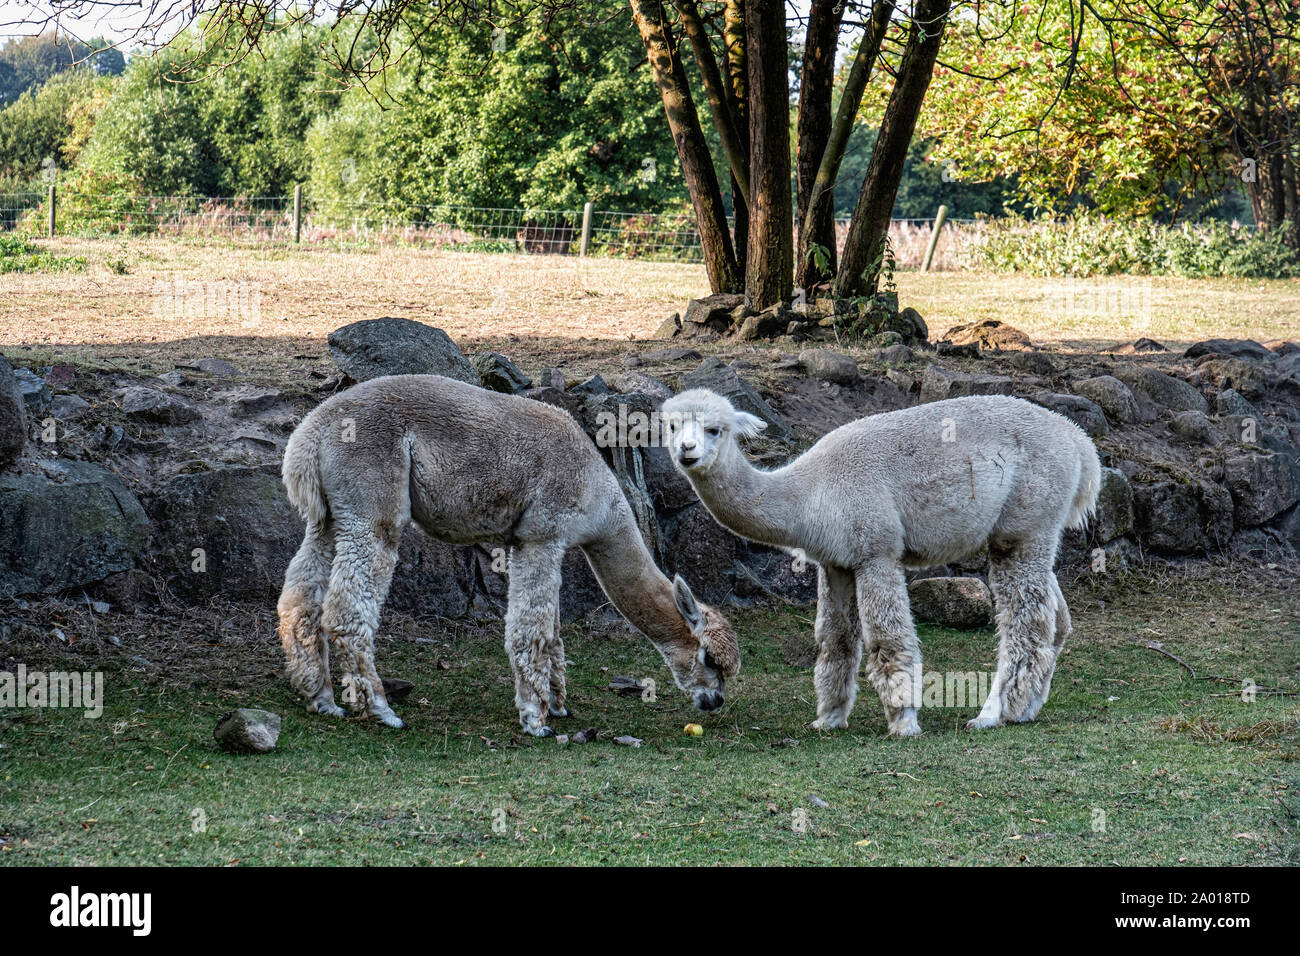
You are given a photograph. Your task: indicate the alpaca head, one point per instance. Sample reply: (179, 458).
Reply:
(702, 662)
(700, 424)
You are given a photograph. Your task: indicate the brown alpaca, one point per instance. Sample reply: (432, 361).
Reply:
(469, 466)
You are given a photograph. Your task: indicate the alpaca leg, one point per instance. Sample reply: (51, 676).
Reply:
(893, 651)
(559, 705)
(531, 622)
(306, 648)
(359, 581)
(1032, 621)
(839, 648)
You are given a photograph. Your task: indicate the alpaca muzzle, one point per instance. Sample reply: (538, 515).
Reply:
(710, 699)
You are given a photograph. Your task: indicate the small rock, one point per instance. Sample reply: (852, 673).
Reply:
(1193, 426)
(553, 378)
(830, 366)
(584, 736)
(991, 334)
(1113, 396)
(394, 346)
(396, 689)
(1233, 348)
(61, 377)
(645, 384)
(256, 402)
(217, 368)
(951, 602)
(1142, 345)
(626, 686)
(1084, 412)
(669, 328)
(175, 378)
(1036, 363)
(13, 415)
(592, 386)
(627, 740)
(498, 374)
(1230, 402)
(248, 730)
(155, 406)
(1164, 390)
(673, 355)
(36, 394)
(817, 801)
(938, 384)
(898, 354)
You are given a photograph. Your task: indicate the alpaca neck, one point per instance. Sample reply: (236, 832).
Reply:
(630, 578)
(749, 502)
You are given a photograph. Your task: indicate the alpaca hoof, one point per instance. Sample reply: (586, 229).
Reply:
(830, 722)
(540, 731)
(983, 723)
(326, 707)
(912, 729)
(561, 711)
(390, 719)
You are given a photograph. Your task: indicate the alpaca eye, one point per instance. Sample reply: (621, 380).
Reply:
(713, 432)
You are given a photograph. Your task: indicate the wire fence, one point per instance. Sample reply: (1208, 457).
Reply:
(664, 237)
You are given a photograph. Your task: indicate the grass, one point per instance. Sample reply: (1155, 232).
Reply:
(1183, 770)
(21, 254)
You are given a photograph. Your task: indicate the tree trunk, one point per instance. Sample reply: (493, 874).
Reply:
(821, 194)
(816, 87)
(860, 263)
(697, 165)
(769, 277)
(733, 35)
(720, 105)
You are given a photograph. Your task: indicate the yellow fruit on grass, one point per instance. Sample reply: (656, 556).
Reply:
(694, 730)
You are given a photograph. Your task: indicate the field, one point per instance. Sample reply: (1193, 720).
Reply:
(1135, 760)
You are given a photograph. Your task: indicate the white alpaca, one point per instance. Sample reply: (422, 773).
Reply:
(468, 466)
(912, 488)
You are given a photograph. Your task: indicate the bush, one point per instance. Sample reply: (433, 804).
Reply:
(1088, 246)
(20, 254)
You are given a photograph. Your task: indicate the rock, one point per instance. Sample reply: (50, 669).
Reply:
(391, 346)
(256, 402)
(1164, 390)
(13, 415)
(151, 405)
(633, 361)
(895, 355)
(1142, 345)
(1230, 402)
(1233, 348)
(669, 328)
(1282, 347)
(716, 377)
(1262, 486)
(712, 313)
(396, 689)
(61, 377)
(938, 384)
(991, 334)
(1182, 517)
(174, 379)
(885, 340)
(1113, 396)
(951, 602)
(831, 366)
(1036, 363)
(904, 382)
(556, 397)
(498, 374)
(68, 408)
(1247, 378)
(669, 489)
(1114, 516)
(645, 384)
(767, 324)
(217, 368)
(553, 378)
(912, 327)
(970, 350)
(71, 526)
(36, 394)
(592, 386)
(242, 522)
(1193, 426)
(248, 731)
(702, 551)
(432, 579)
(673, 355)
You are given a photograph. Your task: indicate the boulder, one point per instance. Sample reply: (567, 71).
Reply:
(951, 602)
(1164, 390)
(1193, 426)
(151, 405)
(990, 334)
(591, 386)
(217, 368)
(36, 393)
(911, 327)
(248, 731)
(1232, 348)
(1036, 363)
(1262, 485)
(702, 551)
(1084, 412)
(1141, 346)
(716, 377)
(1248, 378)
(70, 526)
(68, 408)
(13, 415)
(938, 384)
(1182, 517)
(1114, 515)
(1113, 396)
(392, 346)
(897, 354)
(673, 355)
(498, 374)
(767, 324)
(240, 519)
(645, 384)
(432, 579)
(830, 366)
(1230, 402)
(710, 314)
(669, 328)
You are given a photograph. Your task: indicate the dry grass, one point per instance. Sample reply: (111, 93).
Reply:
(560, 304)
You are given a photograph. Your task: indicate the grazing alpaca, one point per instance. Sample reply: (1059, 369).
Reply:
(469, 466)
(911, 488)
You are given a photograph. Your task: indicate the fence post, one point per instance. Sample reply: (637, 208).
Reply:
(50, 230)
(586, 229)
(939, 218)
(297, 213)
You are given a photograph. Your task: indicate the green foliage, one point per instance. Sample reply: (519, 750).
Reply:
(543, 123)
(19, 253)
(43, 130)
(27, 62)
(1088, 245)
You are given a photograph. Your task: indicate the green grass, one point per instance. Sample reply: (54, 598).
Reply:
(1183, 770)
(20, 254)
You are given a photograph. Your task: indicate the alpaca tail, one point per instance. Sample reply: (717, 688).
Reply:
(1085, 495)
(301, 472)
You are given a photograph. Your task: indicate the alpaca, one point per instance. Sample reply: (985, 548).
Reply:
(912, 488)
(469, 466)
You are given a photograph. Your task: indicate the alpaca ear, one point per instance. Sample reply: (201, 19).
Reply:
(686, 605)
(749, 425)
